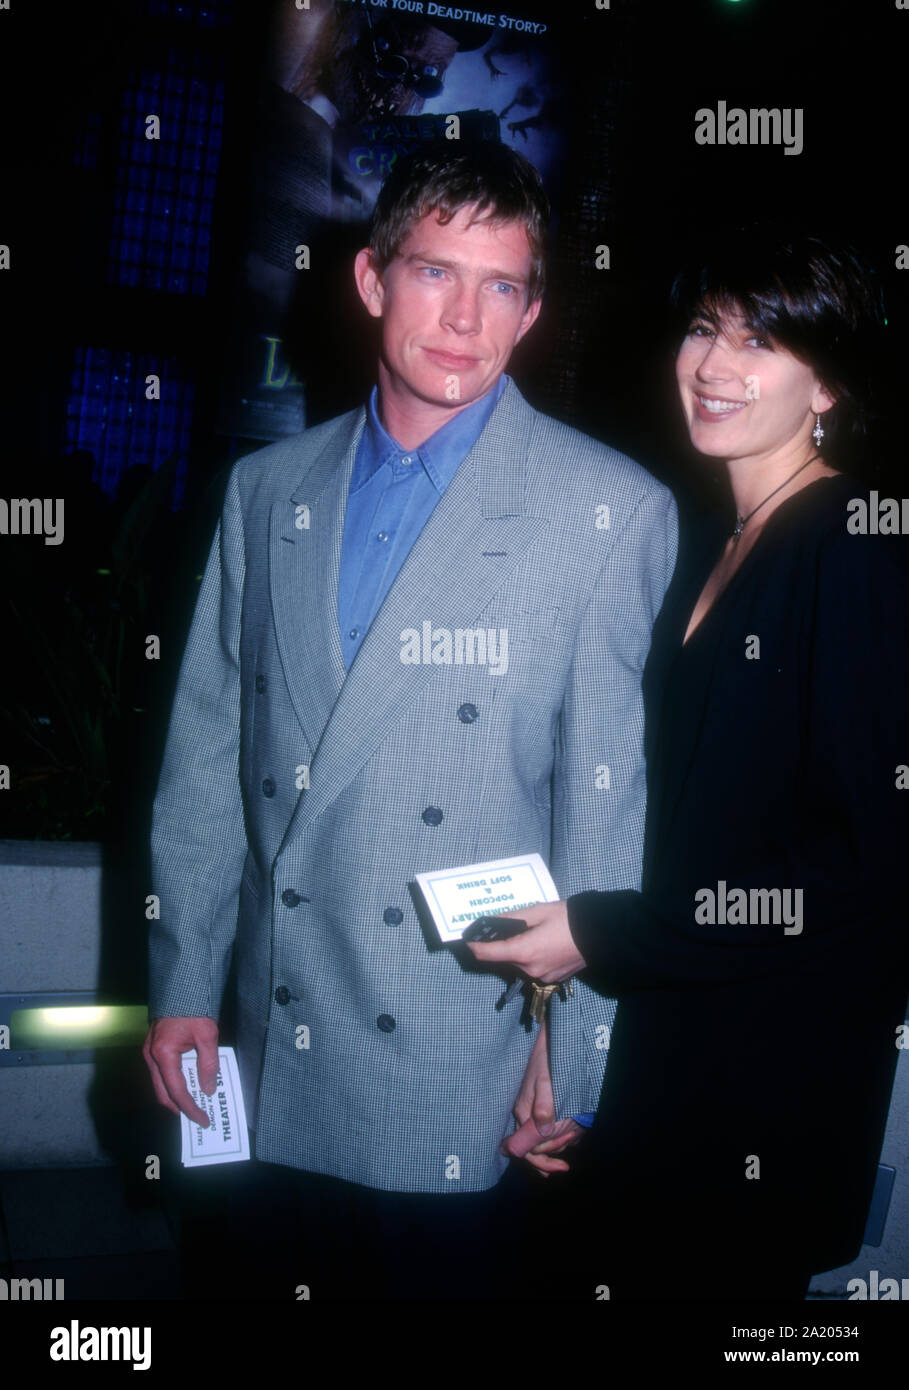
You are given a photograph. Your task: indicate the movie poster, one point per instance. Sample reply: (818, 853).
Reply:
(349, 86)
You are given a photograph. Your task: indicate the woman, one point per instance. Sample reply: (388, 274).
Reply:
(761, 970)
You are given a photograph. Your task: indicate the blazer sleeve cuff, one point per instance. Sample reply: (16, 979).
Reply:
(589, 916)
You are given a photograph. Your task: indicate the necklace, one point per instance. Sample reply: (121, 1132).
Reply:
(741, 521)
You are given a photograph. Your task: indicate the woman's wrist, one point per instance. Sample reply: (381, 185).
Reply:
(585, 922)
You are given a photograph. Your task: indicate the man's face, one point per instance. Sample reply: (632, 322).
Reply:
(453, 304)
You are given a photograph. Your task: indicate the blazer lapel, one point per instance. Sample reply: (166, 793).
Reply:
(305, 561)
(474, 538)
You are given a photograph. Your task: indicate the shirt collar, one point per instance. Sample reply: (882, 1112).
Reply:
(440, 455)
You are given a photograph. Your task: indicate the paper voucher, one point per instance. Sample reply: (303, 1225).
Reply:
(457, 897)
(226, 1140)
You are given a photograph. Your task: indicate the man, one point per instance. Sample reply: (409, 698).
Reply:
(339, 726)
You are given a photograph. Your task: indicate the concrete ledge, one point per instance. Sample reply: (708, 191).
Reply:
(49, 1118)
(50, 916)
(59, 908)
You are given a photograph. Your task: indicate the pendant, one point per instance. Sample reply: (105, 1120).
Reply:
(739, 528)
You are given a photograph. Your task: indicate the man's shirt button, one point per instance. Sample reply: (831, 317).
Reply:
(467, 713)
(386, 1023)
(432, 815)
(393, 916)
(282, 995)
(268, 787)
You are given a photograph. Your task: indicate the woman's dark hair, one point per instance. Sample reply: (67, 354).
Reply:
(814, 298)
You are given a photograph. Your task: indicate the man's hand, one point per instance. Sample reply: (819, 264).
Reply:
(545, 952)
(167, 1039)
(537, 1138)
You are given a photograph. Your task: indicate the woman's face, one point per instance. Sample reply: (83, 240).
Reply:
(744, 396)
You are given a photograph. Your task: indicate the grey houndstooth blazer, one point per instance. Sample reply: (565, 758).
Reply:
(367, 1050)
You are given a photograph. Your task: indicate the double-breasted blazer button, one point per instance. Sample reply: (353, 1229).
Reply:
(291, 899)
(261, 684)
(386, 1023)
(268, 787)
(282, 995)
(393, 916)
(467, 713)
(432, 815)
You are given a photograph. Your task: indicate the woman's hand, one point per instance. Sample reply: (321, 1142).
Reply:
(539, 1135)
(545, 952)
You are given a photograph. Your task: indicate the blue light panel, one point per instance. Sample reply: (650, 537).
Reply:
(206, 14)
(166, 187)
(107, 412)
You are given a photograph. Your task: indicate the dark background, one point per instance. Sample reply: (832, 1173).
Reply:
(83, 712)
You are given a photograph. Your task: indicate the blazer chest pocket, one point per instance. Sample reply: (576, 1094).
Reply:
(522, 624)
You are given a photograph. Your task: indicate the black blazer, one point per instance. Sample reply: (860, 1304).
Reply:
(776, 771)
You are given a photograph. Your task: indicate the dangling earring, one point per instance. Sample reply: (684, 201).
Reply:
(818, 431)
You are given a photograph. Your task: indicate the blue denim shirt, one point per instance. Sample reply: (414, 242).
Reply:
(392, 494)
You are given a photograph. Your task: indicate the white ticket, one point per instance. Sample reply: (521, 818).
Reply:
(226, 1140)
(457, 897)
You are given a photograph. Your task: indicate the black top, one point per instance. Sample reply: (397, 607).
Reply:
(774, 741)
